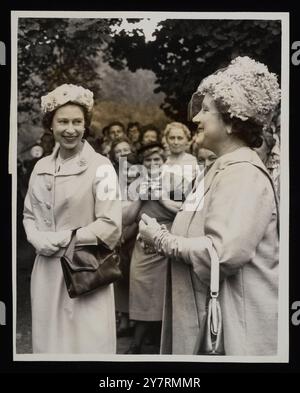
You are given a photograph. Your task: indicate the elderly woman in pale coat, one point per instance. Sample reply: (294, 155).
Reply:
(66, 192)
(234, 209)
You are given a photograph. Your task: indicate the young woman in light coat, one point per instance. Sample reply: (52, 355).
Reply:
(74, 187)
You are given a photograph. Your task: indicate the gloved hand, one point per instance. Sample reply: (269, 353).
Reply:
(60, 238)
(47, 243)
(148, 228)
(42, 244)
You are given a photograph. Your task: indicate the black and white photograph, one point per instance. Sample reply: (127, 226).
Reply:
(149, 155)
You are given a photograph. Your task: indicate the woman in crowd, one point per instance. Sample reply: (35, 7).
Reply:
(134, 134)
(269, 151)
(148, 269)
(116, 131)
(111, 133)
(119, 148)
(122, 148)
(236, 215)
(67, 191)
(150, 134)
(180, 162)
(129, 233)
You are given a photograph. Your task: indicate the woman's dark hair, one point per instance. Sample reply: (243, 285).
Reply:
(150, 127)
(133, 124)
(48, 117)
(116, 123)
(113, 146)
(104, 132)
(149, 149)
(247, 130)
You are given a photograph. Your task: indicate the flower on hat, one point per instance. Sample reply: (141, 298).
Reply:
(67, 93)
(246, 88)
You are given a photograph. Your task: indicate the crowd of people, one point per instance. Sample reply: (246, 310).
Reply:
(161, 297)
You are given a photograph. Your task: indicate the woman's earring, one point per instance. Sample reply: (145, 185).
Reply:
(229, 130)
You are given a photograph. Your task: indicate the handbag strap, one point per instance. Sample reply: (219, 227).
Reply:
(214, 270)
(214, 310)
(71, 246)
(214, 286)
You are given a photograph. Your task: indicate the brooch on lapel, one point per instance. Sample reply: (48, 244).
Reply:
(82, 162)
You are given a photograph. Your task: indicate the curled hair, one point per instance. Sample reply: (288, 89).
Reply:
(248, 131)
(150, 127)
(133, 124)
(115, 144)
(176, 124)
(115, 123)
(48, 118)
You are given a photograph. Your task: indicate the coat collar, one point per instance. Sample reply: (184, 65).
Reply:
(72, 167)
(243, 154)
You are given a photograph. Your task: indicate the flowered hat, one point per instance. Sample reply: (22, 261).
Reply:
(245, 88)
(67, 93)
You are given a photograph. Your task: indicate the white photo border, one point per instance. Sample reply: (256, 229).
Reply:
(283, 311)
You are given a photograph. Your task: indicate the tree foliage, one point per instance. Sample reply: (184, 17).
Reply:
(52, 51)
(185, 51)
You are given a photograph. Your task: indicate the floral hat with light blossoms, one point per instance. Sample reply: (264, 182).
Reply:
(67, 93)
(245, 88)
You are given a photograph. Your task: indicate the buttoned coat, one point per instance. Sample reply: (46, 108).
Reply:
(83, 192)
(237, 210)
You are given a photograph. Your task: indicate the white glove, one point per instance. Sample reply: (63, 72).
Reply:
(60, 238)
(48, 243)
(148, 228)
(42, 244)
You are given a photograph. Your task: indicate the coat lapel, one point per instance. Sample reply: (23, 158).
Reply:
(73, 167)
(243, 154)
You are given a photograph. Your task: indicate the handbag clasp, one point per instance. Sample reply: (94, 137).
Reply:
(214, 294)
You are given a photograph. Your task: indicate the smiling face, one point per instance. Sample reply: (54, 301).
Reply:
(177, 140)
(150, 136)
(211, 131)
(115, 132)
(122, 149)
(68, 128)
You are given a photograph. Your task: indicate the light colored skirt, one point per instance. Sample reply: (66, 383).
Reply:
(64, 325)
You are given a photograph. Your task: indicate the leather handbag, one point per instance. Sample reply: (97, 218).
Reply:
(86, 268)
(210, 340)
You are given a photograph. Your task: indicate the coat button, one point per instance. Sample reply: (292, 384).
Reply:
(49, 186)
(48, 205)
